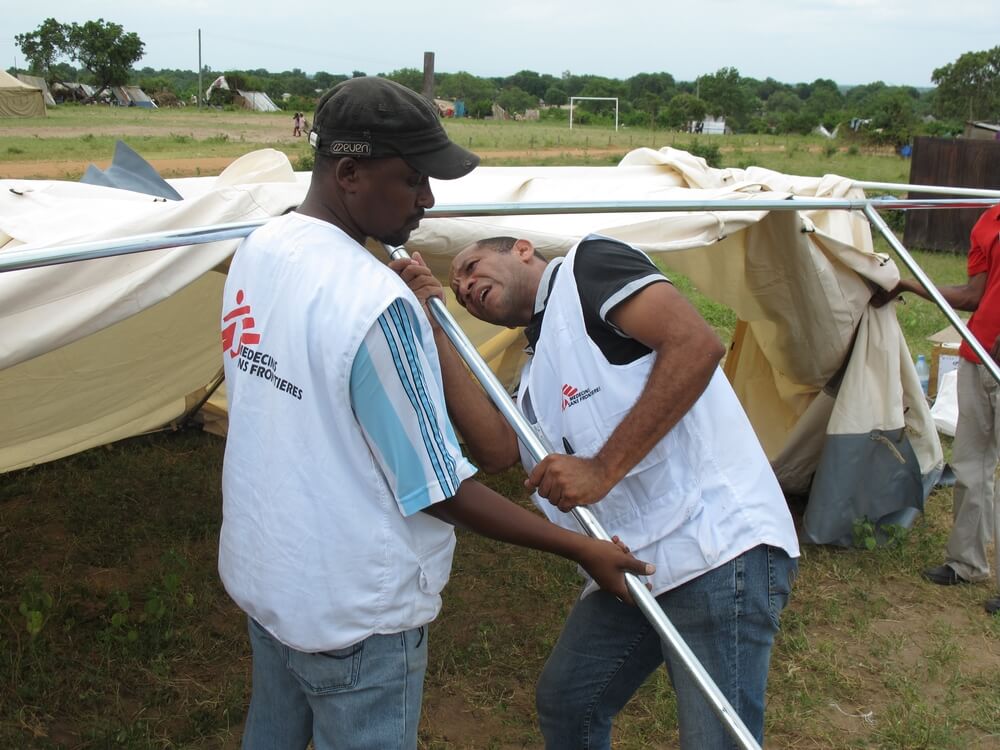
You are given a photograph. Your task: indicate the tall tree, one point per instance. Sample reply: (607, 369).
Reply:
(477, 93)
(555, 96)
(529, 81)
(727, 93)
(412, 78)
(894, 118)
(682, 109)
(516, 100)
(661, 85)
(324, 80)
(43, 47)
(106, 50)
(969, 88)
(826, 103)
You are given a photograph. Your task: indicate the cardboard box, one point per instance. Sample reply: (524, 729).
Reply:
(944, 359)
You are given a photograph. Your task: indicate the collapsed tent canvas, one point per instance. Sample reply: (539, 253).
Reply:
(104, 349)
(257, 101)
(132, 96)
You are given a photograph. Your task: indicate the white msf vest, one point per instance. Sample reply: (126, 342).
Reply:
(703, 495)
(313, 544)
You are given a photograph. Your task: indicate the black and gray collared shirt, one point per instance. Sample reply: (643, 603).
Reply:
(607, 273)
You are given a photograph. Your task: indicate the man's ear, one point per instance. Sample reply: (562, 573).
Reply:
(348, 174)
(524, 249)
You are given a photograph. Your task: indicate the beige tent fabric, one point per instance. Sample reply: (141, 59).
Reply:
(39, 83)
(94, 351)
(18, 99)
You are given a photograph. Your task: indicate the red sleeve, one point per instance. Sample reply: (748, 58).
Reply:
(978, 262)
(983, 235)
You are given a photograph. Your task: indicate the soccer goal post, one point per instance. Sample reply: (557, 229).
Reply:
(593, 98)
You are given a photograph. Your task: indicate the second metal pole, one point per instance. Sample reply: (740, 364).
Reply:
(879, 223)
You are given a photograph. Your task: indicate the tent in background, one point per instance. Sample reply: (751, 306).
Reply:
(132, 96)
(39, 83)
(104, 349)
(257, 101)
(18, 99)
(68, 90)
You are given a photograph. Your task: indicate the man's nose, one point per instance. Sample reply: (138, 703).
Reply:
(466, 287)
(425, 198)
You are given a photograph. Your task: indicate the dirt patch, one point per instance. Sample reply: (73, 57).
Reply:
(61, 170)
(233, 125)
(214, 165)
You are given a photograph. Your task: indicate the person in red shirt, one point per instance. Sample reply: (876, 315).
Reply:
(977, 435)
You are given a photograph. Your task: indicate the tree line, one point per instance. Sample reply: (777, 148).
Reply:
(966, 89)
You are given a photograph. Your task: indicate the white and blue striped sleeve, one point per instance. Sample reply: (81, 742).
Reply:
(398, 400)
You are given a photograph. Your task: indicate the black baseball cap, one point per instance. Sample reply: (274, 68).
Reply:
(375, 118)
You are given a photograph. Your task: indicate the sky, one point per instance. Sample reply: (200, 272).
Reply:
(850, 41)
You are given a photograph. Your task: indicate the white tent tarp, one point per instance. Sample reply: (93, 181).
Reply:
(258, 101)
(99, 350)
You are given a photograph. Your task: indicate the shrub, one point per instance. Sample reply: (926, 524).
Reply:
(305, 162)
(707, 151)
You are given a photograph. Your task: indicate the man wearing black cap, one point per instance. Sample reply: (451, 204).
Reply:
(338, 437)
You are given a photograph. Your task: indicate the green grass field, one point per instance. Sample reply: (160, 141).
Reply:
(88, 134)
(115, 631)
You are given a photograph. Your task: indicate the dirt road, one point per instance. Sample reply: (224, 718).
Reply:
(205, 166)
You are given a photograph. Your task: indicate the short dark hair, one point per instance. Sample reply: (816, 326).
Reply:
(504, 244)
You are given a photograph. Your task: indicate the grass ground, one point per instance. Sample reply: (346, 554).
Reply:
(63, 143)
(115, 632)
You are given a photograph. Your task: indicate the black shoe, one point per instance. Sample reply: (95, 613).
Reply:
(943, 575)
(992, 605)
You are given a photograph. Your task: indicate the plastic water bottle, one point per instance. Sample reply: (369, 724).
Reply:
(923, 372)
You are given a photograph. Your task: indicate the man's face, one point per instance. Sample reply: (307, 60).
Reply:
(391, 200)
(494, 286)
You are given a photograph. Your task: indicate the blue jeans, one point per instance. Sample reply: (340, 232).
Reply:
(364, 697)
(728, 617)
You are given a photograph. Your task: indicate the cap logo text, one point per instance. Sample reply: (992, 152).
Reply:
(350, 148)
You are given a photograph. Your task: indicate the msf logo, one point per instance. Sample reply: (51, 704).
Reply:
(240, 322)
(568, 392)
(572, 396)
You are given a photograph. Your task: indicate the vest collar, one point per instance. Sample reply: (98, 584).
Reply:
(534, 328)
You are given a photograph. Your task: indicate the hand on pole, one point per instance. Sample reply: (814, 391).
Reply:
(607, 563)
(882, 297)
(569, 481)
(419, 278)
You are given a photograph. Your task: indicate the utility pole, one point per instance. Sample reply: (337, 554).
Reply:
(429, 75)
(199, 69)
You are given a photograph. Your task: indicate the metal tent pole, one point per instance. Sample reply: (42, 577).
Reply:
(34, 257)
(879, 223)
(928, 189)
(644, 600)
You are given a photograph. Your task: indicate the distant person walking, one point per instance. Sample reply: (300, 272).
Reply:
(298, 122)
